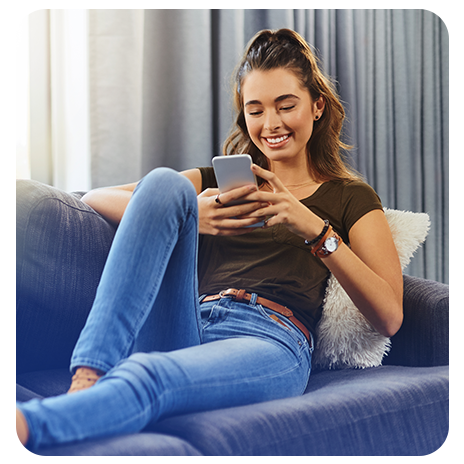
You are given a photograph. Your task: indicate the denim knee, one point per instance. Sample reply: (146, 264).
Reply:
(171, 194)
(169, 182)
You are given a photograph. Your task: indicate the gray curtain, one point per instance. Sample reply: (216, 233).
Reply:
(161, 96)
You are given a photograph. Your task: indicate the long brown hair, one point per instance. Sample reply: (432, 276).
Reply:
(285, 48)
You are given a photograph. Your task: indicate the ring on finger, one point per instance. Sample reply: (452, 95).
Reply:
(217, 200)
(268, 219)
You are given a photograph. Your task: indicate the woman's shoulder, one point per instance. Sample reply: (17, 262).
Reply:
(350, 188)
(345, 202)
(359, 188)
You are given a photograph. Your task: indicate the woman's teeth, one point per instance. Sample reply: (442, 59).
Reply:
(278, 139)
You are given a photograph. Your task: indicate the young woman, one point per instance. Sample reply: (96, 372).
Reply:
(152, 347)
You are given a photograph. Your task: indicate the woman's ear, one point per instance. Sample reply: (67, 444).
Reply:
(319, 105)
(318, 108)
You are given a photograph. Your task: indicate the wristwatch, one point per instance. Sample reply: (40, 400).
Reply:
(330, 245)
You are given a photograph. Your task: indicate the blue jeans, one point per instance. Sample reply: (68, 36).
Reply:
(164, 352)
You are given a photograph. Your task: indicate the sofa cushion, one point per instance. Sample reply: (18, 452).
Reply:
(42, 384)
(387, 410)
(61, 248)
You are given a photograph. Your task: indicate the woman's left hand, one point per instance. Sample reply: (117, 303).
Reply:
(284, 208)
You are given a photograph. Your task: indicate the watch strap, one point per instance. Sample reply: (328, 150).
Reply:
(322, 252)
(321, 242)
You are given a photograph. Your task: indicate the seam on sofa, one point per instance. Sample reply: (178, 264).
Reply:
(83, 210)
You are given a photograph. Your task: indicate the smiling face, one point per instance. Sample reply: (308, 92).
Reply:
(279, 113)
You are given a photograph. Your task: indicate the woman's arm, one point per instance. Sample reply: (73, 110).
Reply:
(111, 203)
(369, 271)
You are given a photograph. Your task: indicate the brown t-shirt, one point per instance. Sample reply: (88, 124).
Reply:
(275, 263)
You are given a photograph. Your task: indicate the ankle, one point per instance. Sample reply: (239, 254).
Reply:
(85, 377)
(85, 370)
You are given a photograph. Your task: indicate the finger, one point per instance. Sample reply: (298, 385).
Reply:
(264, 213)
(237, 194)
(268, 176)
(263, 197)
(245, 209)
(269, 222)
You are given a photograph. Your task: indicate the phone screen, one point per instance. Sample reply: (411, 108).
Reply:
(234, 171)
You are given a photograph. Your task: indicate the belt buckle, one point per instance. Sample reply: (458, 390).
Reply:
(229, 293)
(224, 294)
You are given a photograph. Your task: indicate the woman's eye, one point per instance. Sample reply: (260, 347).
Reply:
(286, 108)
(255, 113)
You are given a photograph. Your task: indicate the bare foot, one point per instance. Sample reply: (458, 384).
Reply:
(21, 427)
(85, 377)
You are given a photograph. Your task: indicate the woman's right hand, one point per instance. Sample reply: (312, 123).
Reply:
(214, 218)
(219, 219)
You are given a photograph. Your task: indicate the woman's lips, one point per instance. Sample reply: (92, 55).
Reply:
(277, 142)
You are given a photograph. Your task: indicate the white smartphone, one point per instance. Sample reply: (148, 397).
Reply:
(234, 171)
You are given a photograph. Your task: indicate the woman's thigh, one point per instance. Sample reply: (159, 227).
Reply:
(223, 373)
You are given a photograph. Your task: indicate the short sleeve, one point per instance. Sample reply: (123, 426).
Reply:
(358, 199)
(208, 179)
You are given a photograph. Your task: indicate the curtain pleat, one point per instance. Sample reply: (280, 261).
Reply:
(161, 96)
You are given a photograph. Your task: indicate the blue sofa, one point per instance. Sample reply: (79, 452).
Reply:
(399, 408)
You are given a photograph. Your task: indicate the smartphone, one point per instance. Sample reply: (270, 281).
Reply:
(234, 171)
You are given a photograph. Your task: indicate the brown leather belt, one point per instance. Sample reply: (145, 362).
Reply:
(242, 295)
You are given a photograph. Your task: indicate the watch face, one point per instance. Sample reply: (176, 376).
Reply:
(331, 244)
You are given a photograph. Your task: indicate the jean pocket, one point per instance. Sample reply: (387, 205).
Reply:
(213, 313)
(284, 323)
(275, 318)
(278, 319)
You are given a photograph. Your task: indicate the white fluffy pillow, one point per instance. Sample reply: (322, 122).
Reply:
(345, 339)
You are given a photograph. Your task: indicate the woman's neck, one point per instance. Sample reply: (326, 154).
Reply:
(296, 177)
(292, 174)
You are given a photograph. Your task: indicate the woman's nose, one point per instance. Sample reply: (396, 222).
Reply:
(272, 122)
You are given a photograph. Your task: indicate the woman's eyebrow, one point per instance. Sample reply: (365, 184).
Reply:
(284, 97)
(278, 99)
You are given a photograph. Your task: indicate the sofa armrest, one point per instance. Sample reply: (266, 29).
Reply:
(423, 339)
(61, 248)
